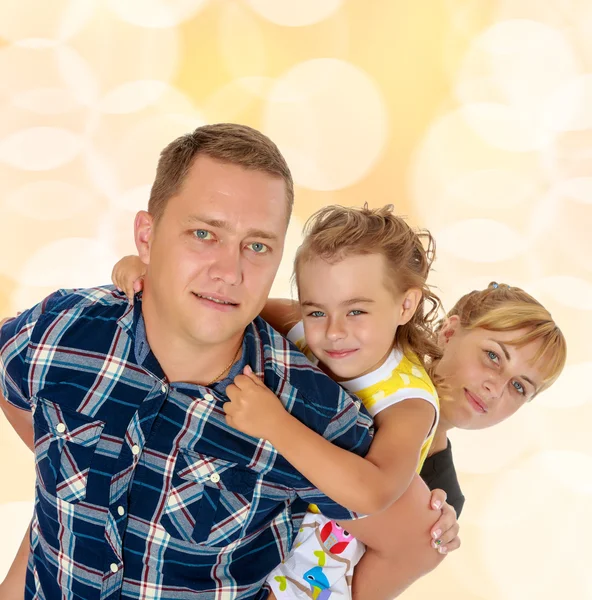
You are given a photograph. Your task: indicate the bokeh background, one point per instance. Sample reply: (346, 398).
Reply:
(473, 117)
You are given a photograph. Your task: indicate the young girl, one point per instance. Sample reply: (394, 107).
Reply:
(366, 321)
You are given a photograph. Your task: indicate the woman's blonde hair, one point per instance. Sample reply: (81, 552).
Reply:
(335, 232)
(500, 307)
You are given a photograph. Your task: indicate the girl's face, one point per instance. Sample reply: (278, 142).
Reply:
(487, 378)
(350, 316)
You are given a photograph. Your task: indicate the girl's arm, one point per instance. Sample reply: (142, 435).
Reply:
(281, 314)
(363, 485)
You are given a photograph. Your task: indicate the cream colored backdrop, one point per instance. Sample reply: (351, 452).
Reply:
(474, 117)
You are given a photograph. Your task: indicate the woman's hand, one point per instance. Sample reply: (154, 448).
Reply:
(445, 530)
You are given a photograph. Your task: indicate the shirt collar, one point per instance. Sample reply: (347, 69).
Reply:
(132, 321)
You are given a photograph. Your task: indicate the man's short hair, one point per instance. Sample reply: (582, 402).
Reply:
(227, 142)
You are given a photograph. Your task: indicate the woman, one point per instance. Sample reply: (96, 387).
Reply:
(489, 339)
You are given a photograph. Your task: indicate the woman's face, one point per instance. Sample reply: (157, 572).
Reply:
(487, 378)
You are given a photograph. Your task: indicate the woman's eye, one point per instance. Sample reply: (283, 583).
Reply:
(492, 356)
(519, 387)
(258, 248)
(202, 234)
(356, 312)
(316, 314)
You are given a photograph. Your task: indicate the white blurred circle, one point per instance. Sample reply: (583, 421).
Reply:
(571, 389)
(69, 263)
(78, 75)
(58, 19)
(48, 200)
(476, 180)
(156, 13)
(228, 103)
(499, 188)
(33, 82)
(504, 127)
(15, 518)
(570, 108)
(328, 118)
(295, 13)
(480, 240)
(533, 525)
(237, 28)
(113, 52)
(578, 189)
(573, 292)
(496, 448)
(134, 199)
(40, 148)
(132, 96)
(519, 61)
(50, 101)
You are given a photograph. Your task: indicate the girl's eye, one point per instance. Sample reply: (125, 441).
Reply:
(519, 387)
(356, 312)
(316, 314)
(202, 234)
(492, 356)
(258, 248)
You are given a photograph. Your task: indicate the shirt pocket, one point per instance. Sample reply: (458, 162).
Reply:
(209, 501)
(65, 444)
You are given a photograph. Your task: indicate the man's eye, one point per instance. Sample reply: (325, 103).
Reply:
(202, 234)
(316, 314)
(259, 248)
(356, 312)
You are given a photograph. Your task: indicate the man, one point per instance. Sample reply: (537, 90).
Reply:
(143, 490)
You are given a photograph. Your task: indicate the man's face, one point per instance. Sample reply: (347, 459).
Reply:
(213, 255)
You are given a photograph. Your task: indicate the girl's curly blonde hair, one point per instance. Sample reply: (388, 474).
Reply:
(335, 232)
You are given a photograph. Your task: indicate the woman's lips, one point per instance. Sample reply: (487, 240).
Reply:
(476, 403)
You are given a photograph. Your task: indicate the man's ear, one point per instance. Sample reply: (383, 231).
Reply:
(411, 300)
(143, 234)
(449, 327)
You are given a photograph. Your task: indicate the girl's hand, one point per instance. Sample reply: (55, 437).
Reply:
(128, 275)
(253, 408)
(445, 531)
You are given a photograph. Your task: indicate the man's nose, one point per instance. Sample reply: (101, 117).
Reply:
(227, 266)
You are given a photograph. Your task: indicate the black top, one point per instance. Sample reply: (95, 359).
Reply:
(439, 473)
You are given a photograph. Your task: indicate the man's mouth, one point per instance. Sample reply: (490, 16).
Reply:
(221, 300)
(476, 403)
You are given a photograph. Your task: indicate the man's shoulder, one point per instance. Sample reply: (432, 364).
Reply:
(292, 367)
(101, 299)
(72, 306)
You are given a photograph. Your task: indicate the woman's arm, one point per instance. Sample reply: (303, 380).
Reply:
(364, 485)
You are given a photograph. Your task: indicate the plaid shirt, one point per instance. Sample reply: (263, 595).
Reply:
(143, 491)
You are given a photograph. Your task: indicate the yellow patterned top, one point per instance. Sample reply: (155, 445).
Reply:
(399, 378)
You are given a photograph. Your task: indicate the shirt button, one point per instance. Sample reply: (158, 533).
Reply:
(214, 478)
(135, 449)
(61, 427)
(120, 511)
(163, 388)
(114, 568)
(208, 397)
